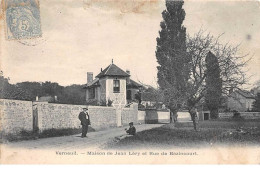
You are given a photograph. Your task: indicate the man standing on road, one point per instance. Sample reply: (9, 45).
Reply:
(85, 121)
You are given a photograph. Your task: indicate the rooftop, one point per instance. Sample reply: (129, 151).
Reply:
(112, 70)
(245, 93)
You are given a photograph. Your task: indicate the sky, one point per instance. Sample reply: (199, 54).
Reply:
(81, 36)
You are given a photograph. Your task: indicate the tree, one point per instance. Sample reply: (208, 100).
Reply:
(213, 85)
(73, 94)
(231, 65)
(10, 91)
(172, 57)
(33, 88)
(256, 103)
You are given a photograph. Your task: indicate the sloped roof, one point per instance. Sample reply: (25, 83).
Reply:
(245, 93)
(94, 83)
(112, 70)
(133, 84)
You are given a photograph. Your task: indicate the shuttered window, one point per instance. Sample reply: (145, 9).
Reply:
(116, 85)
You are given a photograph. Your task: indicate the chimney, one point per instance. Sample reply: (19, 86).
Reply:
(128, 78)
(89, 77)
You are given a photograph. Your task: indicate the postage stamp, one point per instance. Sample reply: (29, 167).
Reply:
(22, 19)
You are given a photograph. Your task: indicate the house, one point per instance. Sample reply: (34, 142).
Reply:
(152, 98)
(240, 100)
(255, 90)
(49, 99)
(111, 84)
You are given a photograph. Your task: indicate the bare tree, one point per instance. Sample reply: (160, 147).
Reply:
(231, 63)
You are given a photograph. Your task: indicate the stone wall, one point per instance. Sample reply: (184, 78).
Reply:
(60, 116)
(57, 115)
(245, 115)
(225, 115)
(163, 116)
(15, 115)
(250, 115)
(102, 117)
(141, 116)
(19, 115)
(153, 116)
(130, 114)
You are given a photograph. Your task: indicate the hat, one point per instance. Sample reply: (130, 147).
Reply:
(85, 108)
(131, 123)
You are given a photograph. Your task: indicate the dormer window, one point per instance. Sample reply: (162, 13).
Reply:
(116, 85)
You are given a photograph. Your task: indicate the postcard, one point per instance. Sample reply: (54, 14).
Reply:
(129, 82)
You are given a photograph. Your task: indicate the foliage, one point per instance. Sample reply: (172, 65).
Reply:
(62, 132)
(213, 85)
(173, 69)
(10, 91)
(256, 103)
(109, 102)
(138, 97)
(73, 94)
(92, 102)
(30, 135)
(103, 103)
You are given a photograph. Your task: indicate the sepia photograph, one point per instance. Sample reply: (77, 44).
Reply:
(130, 82)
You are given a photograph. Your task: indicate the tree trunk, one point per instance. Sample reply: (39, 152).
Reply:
(194, 118)
(214, 113)
(173, 117)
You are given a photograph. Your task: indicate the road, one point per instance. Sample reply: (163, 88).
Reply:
(95, 140)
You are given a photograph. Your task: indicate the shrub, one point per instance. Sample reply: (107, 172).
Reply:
(103, 103)
(109, 102)
(20, 135)
(92, 102)
(237, 116)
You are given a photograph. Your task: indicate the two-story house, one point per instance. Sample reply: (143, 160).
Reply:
(113, 84)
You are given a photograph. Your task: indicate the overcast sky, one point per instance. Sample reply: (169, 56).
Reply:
(83, 36)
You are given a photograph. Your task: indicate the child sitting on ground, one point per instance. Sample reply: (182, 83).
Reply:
(130, 132)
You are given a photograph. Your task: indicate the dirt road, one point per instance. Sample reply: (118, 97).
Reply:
(94, 140)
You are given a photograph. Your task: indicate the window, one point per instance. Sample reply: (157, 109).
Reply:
(116, 85)
(92, 93)
(129, 95)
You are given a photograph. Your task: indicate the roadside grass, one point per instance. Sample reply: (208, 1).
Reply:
(213, 132)
(31, 135)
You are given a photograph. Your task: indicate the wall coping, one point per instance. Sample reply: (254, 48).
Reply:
(15, 100)
(101, 107)
(240, 112)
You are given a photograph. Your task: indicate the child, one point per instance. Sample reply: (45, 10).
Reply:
(131, 130)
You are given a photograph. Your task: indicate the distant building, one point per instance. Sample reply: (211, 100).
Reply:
(240, 100)
(151, 98)
(50, 99)
(113, 84)
(255, 90)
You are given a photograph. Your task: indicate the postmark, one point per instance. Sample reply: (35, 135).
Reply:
(22, 19)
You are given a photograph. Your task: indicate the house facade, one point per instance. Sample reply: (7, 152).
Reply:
(240, 100)
(111, 85)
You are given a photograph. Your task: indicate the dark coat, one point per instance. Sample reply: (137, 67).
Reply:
(131, 130)
(83, 118)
